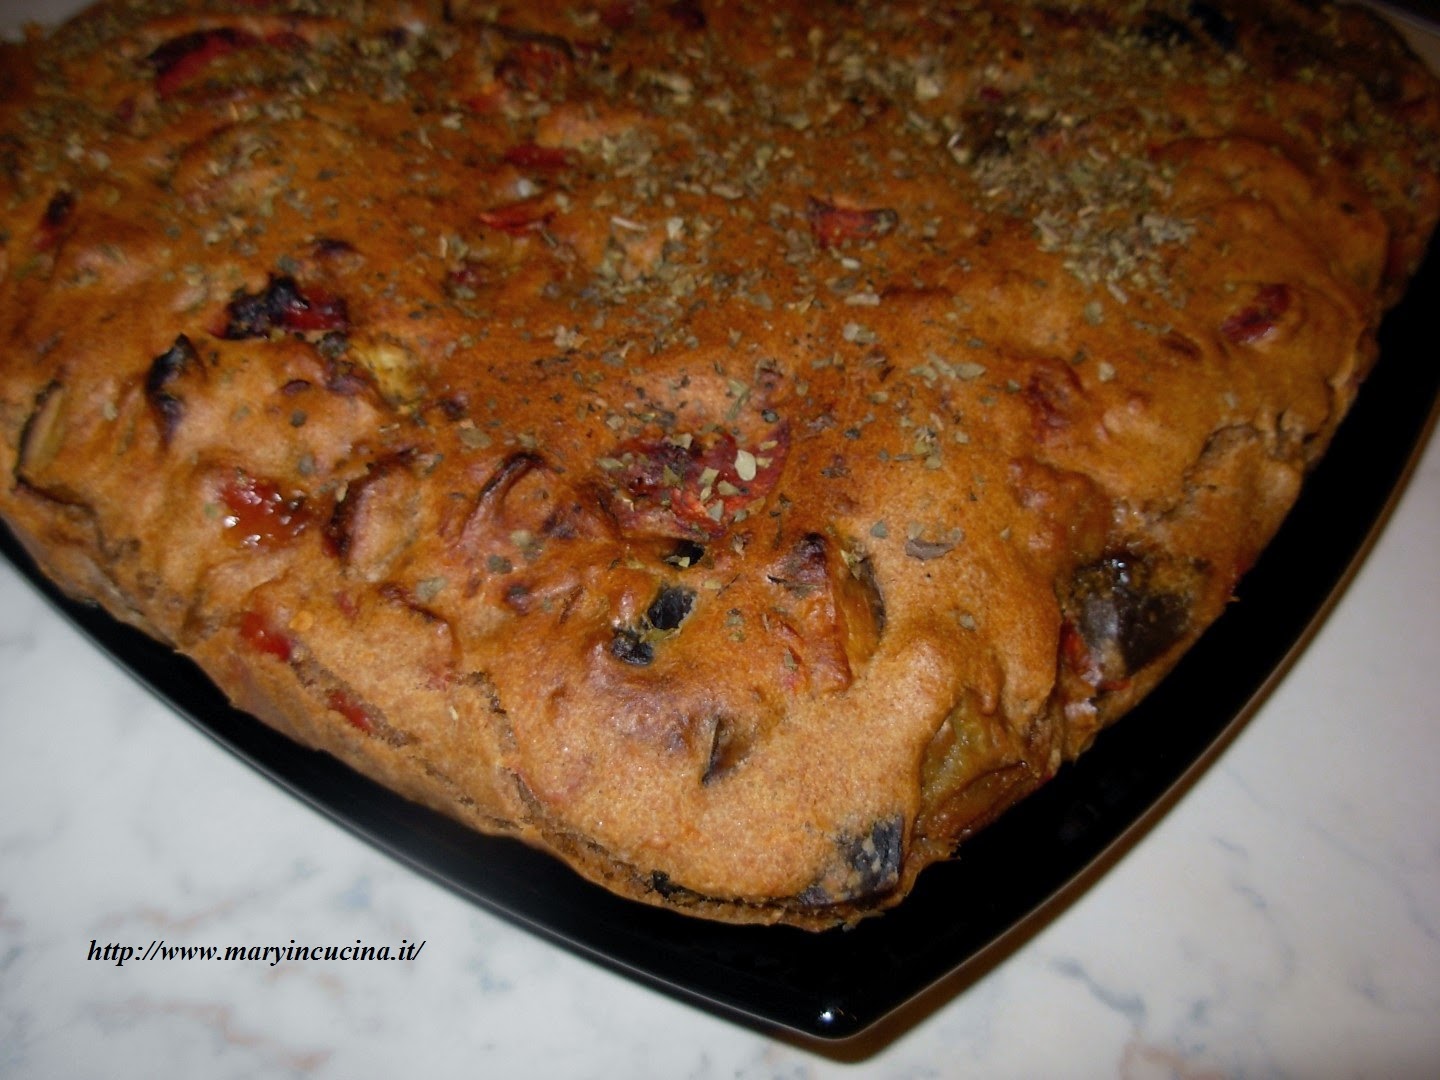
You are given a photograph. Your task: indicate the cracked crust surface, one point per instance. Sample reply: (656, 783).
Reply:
(739, 448)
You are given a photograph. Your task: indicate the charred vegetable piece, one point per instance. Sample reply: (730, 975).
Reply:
(282, 305)
(498, 485)
(876, 858)
(629, 646)
(831, 620)
(670, 607)
(165, 370)
(636, 644)
(869, 866)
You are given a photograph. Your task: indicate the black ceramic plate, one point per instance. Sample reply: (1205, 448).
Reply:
(962, 913)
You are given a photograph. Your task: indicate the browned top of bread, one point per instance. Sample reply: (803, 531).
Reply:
(740, 447)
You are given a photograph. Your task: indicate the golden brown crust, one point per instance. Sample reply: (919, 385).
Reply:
(739, 448)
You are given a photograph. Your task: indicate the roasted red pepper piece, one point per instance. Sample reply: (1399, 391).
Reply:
(530, 215)
(180, 59)
(347, 706)
(698, 491)
(1053, 393)
(1257, 320)
(259, 515)
(531, 156)
(835, 225)
(257, 632)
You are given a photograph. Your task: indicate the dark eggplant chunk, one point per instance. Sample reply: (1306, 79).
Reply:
(869, 866)
(1127, 618)
(629, 646)
(669, 608)
(876, 858)
(636, 644)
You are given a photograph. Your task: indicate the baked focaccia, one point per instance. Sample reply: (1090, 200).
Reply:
(739, 447)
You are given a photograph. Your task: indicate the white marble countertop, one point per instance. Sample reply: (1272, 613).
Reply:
(1282, 920)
